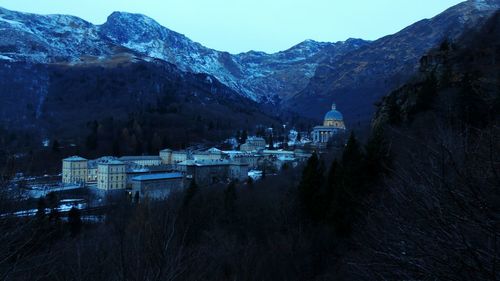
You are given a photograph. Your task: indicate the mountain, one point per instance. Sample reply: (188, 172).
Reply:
(259, 76)
(305, 78)
(457, 85)
(358, 79)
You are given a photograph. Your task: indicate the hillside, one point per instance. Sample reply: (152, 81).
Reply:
(259, 76)
(357, 80)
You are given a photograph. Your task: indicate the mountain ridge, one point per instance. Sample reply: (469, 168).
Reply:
(358, 79)
(143, 35)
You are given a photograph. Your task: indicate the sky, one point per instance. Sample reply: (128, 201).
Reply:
(261, 25)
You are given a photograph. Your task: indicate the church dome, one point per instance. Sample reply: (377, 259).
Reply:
(334, 114)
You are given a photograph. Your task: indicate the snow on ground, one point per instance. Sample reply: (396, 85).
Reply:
(6, 58)
(65, 206)
(255, 174)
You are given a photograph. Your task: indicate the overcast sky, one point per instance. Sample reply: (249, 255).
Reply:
(263, 25)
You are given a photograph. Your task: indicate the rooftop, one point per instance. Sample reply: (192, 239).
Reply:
(201, 163)
(137, 158)
(162, 176)
(75, 158)
(111, 162)
(327, 128)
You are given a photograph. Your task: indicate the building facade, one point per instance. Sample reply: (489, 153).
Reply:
(253, 144)
(333, 124)
(145, 160)
(157, 186)
(74, 170)
(213, 171)
(111, 175)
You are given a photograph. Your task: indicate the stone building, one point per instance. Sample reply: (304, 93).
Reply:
(145, 160)
(74, 170)
(211, 154)
(253, 144)
(213, 171)
(250, 159)
(92, 168)
(169, 156)
(333, 124)
(111, 175)
(157, 186)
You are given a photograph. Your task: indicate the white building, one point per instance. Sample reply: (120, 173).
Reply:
(74, 170)
(333, 124)
(145, 160)
(111, 175)
(253, 144)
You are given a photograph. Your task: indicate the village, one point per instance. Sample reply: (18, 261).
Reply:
(156, 176)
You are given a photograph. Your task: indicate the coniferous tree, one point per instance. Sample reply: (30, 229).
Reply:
(350, 183)
(271, 142)
(394, 111)
(190, 192)
(74, 221)
(238, 137)
(427, 93)
(471, 109)
(56, 147)
(250, 182)
(230, 197)
(310, 188)
(377, 156)
(40, 212)
(244, 136)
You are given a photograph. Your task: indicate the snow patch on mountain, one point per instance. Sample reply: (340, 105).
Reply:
(256, 75)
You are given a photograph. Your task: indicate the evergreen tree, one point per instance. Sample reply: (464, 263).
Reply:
(136, 197)
(230, 197)
(427, 93)
(310, 187)
(53, 203)
(250, 182)
(244, 136)
(377, 156)
(271, 142)
(74, 221)
(190, 192)
(40, 212)
(472, 108)
(238, 137)
(351, 180)
(394, 111)
(56, 147)
(116, 148)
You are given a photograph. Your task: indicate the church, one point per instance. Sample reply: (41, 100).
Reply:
(333, 125)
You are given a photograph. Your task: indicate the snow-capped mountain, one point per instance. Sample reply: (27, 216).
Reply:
(66, 39)
(359, 79)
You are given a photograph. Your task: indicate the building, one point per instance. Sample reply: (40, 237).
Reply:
(145, 160)
(250, 159)
(92, 168)
(169, 156)
(213, 171)
(74, 170)
(238, 171)
(253, 144)
(166, 156)
(208, 155)
(157, 186)
(111, 175)
(333, 124)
